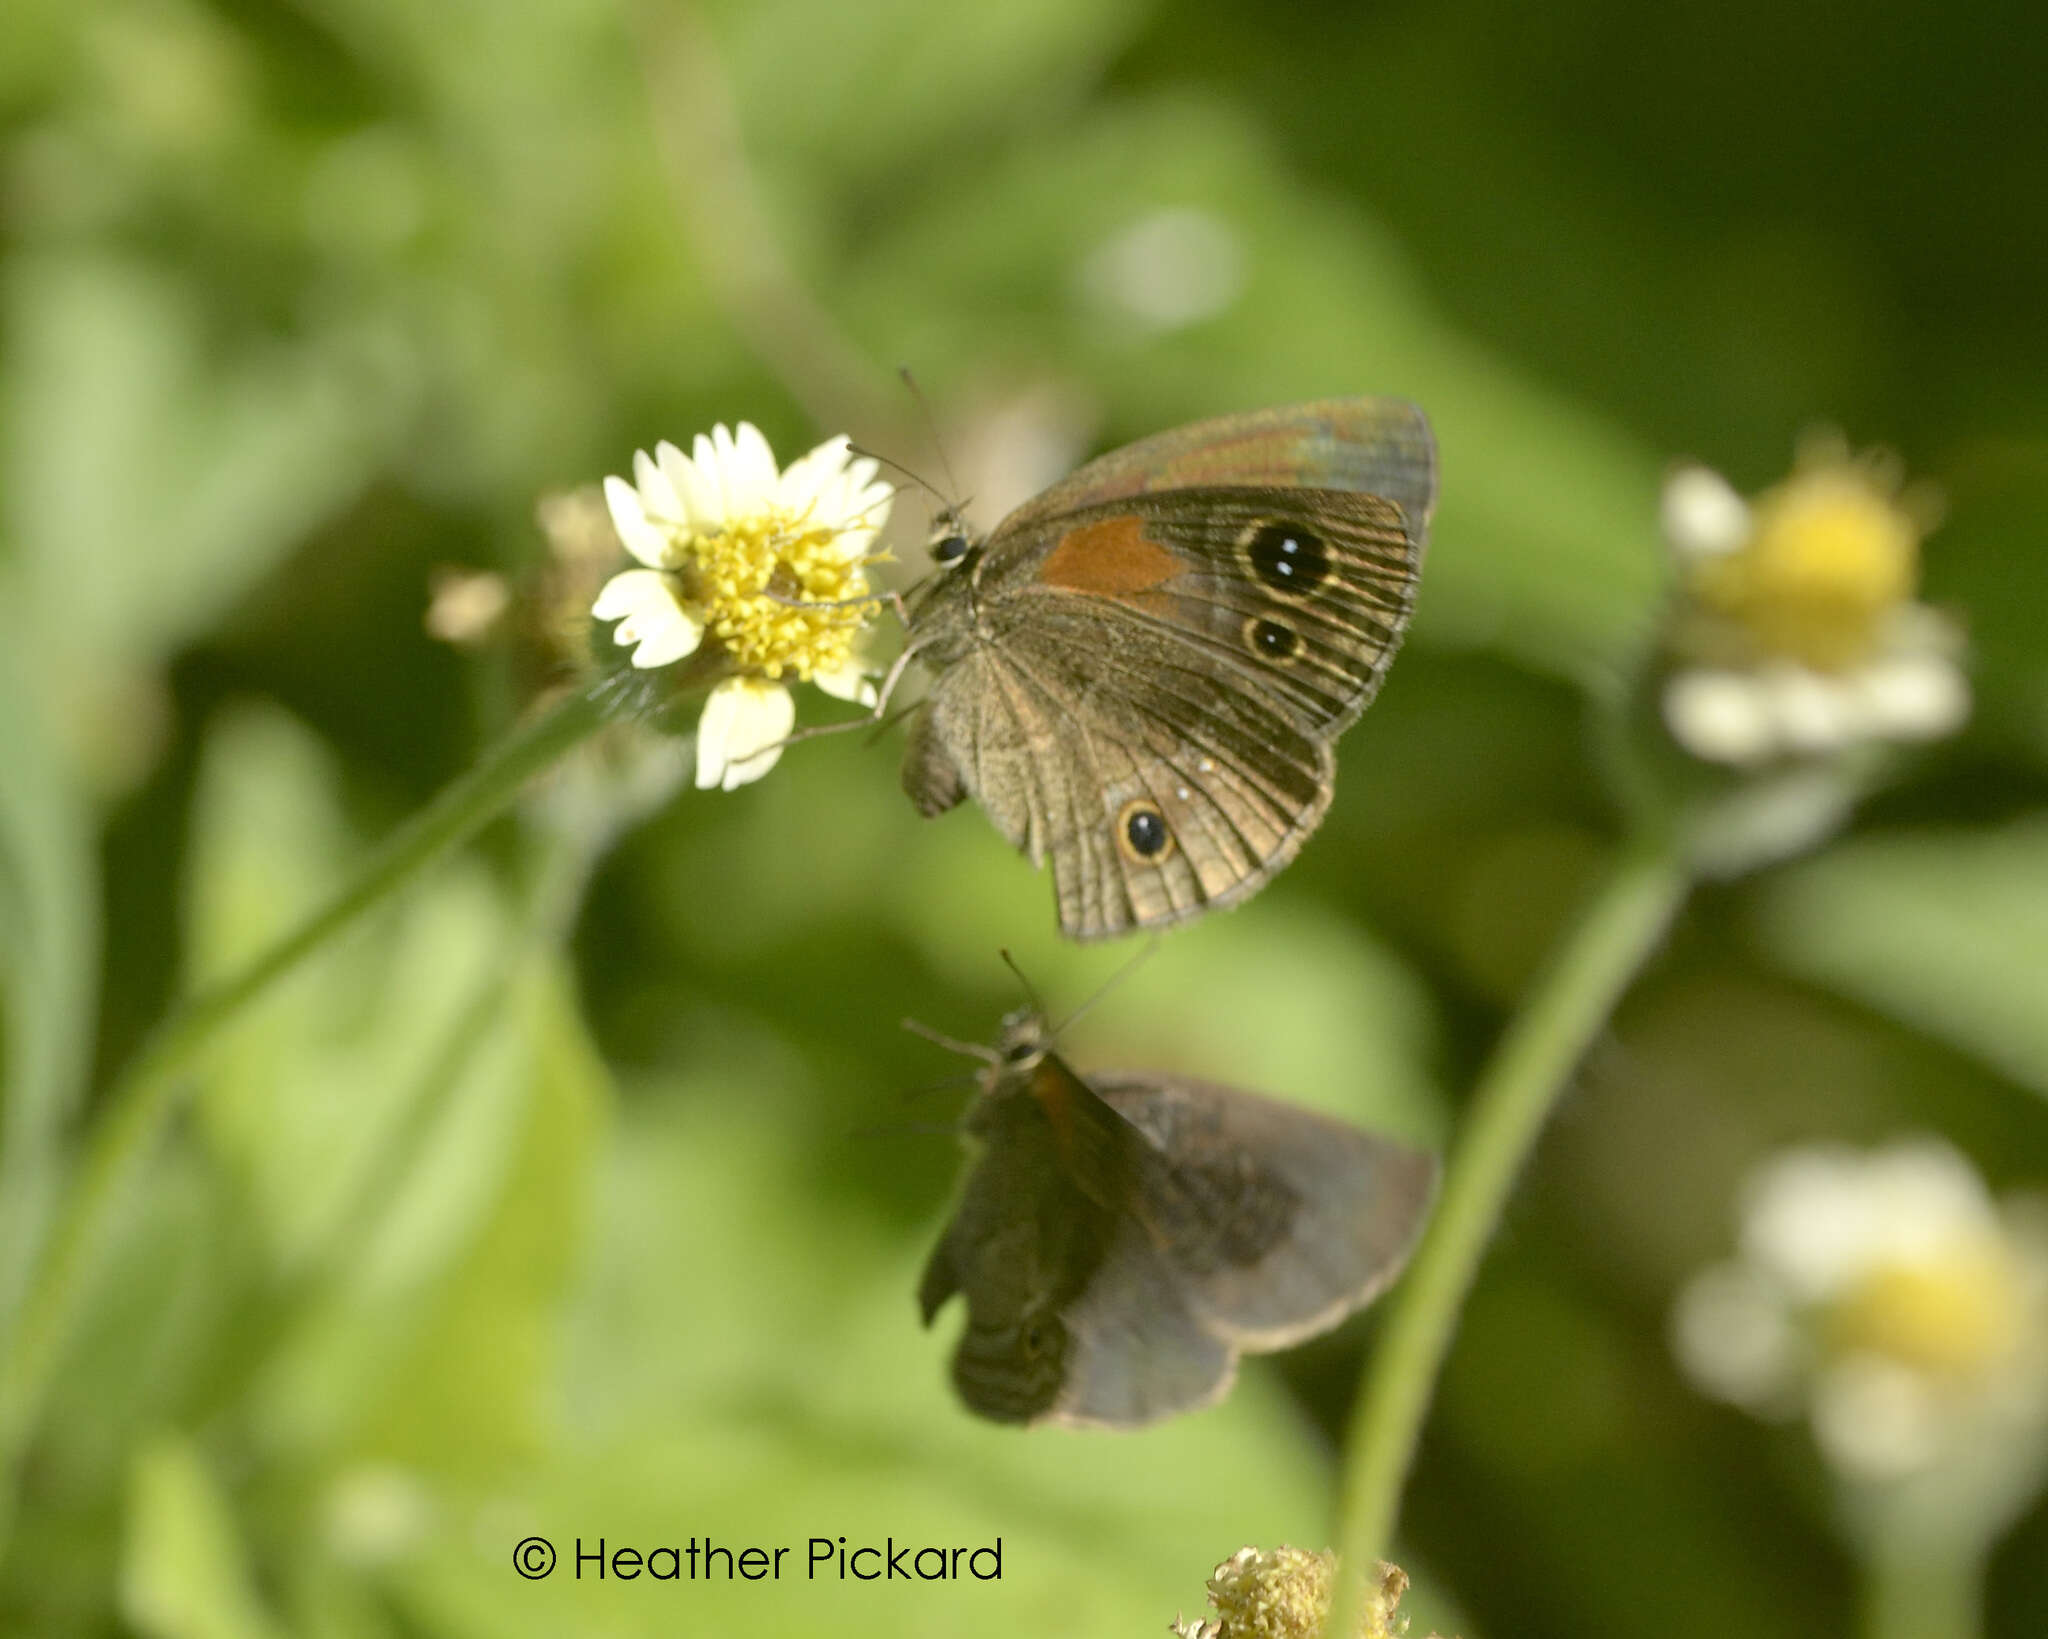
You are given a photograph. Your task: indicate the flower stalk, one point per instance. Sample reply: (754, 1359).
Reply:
(1529, 1071)
(152, 1089)
(1922, 1590)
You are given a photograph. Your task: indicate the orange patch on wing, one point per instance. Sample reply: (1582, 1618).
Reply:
(1049, 1085)
(1111, 557)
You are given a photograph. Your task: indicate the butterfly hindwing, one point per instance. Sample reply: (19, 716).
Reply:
(1280, 1220)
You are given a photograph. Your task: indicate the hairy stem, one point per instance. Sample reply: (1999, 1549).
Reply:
(1568, 1005)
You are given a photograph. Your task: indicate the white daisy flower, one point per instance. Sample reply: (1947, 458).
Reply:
(1889, 1298)
(1798, 635)
(766, 566)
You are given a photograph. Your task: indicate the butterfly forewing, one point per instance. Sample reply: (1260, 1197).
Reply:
(1141, 675)
(1371, 446)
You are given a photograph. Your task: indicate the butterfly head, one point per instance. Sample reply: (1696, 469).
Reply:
(950, 545)
(1025, 1039)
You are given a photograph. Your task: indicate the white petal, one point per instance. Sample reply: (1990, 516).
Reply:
(746, 481)
(752, 478)
(657, 494)
(1812, 1218)
(697, 492)
(1720, 716)
(1916, 697)
(852, 545)
(622, 594)
(1815, 713)
(740, 735)
(1876, 1419)
(862, 471)
(650, 615)
(811, 473)
(849, 682)
(855, 512)
(1703, 516)
(704, 456)
(1928, 1200)
(1732, 1332)
(646, 541)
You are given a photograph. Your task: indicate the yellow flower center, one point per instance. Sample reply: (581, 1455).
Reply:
(1830, 556)
(779, 594)
(1956, 1315)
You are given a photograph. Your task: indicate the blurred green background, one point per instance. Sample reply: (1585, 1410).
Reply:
(474, 1232)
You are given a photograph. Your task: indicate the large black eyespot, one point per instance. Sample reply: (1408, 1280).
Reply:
(1271, 639)
(949, 547)
(1142, 831)
(1293, 561)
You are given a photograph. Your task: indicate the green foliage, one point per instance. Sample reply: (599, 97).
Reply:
(474, 1230)
(1947, 931)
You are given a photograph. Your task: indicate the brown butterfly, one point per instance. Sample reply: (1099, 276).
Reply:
(1141, 672)
(1121, 1239)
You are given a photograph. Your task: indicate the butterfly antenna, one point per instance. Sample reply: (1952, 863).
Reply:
(1030, 995)
(923, 483)
(971, 1049)
(1138, 958)
(931, 426)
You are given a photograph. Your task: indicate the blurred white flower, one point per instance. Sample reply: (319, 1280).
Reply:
(767, 568)
(1892, 1300)
(1798, 634)
(1169, 269)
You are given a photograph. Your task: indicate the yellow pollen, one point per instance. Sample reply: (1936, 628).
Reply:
(795, 631)
(1830, 557)
(1955, 1316)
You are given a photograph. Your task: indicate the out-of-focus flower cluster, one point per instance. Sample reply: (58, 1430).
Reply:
(758, 575)
(1285, 1593)
(1890, 1299)
(1797, 633)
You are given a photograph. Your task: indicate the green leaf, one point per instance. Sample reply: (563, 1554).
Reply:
(150, 482)
(49, 963)
(1944, 930)
(473, 1391)
(747, 1366)
(185, 1573)
(408, 1120)
(1545, 546)
(304, 1093)
(947, 73)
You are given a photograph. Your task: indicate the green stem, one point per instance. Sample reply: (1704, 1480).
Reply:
(1530, 1069)
(140, 1105)
(1922, 1589)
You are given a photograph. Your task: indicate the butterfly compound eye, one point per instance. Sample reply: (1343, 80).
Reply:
(949, 547)
(1142, 833)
